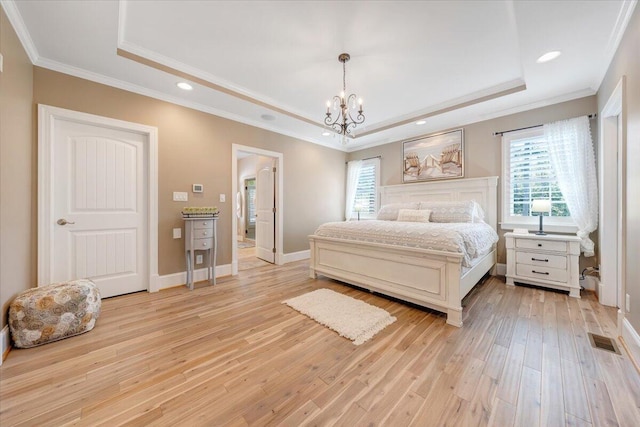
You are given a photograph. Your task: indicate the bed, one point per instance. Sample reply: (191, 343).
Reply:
(434, 278)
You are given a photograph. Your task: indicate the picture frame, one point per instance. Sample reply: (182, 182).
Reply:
(434, 157)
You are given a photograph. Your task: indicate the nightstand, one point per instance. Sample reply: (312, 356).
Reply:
(200, 235)
(550, 261)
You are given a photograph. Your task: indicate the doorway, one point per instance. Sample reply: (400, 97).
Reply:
(250, 214)
(260, 207)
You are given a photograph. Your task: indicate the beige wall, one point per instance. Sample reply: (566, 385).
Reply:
(17, 163)
(626, 62)
(195, 147)
(483, 151)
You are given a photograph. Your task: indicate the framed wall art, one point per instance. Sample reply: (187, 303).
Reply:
(434, 157)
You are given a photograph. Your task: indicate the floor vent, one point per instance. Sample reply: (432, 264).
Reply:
(603, 343)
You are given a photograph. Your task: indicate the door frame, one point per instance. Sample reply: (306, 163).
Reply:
(47, 117)
(279, 223)
(613, 204)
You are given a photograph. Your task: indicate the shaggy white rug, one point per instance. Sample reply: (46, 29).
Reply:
(351, 318)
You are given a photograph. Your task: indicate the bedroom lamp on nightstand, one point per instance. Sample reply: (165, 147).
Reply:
(541, 206)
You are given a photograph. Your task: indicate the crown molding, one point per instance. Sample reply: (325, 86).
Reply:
(11, 9)
(626, 11)
(119, 84)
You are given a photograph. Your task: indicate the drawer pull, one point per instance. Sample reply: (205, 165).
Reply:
(205, 245)
(204, 233)
(546, 273)
(537, 259)
(539, 245)
(205, 224)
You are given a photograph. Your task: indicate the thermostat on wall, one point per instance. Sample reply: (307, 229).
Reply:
(198, 188)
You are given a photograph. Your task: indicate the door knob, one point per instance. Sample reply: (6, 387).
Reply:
(63, 221)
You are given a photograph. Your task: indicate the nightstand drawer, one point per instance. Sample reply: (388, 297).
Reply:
(203, 243)
(544, 260)
(541, 273)
(208, 224)
(546, 245)
(201, 233)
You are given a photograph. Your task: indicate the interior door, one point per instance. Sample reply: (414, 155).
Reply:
(265, 210)
(99, 191)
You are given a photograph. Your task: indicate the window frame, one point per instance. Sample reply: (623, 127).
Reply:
(555, 224)
(369, 215)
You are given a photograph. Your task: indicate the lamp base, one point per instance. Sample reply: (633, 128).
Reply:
(540, 232)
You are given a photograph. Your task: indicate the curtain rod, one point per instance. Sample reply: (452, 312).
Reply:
(502, 132)
(368, 158)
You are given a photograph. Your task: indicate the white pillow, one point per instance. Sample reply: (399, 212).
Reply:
(414, 215)
(454, 211)
(390, 212)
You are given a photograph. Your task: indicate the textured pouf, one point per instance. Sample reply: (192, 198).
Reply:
(53, 312)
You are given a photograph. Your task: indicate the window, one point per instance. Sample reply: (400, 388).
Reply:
(366, 197)
(528, 175)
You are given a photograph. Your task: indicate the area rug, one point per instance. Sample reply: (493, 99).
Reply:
(351, 318)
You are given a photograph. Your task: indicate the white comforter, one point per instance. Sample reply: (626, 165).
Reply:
(470, 239)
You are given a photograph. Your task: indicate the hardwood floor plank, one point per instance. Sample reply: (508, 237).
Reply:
(552, 406)
(528, 408)
(234, 355)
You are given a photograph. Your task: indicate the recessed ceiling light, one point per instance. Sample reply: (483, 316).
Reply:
(184, 86)
(326, 133)
(549, 56)
(421, 122)
(268, 117)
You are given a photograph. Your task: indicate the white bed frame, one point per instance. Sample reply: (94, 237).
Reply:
(425, 277)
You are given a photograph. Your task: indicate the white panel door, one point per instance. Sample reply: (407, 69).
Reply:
(99, 207)
(265, 211)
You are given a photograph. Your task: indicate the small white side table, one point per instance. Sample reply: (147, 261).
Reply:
(550, 261)
(200, 235)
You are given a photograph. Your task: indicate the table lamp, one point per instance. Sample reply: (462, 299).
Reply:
(541, 206)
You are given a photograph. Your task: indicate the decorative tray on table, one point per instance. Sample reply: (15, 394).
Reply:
(200, 212)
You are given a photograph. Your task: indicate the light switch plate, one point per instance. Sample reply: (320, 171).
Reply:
(198, 259)
(223, 198)
(180, 196)
(177, 233)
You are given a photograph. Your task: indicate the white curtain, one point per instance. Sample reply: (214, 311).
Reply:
(573, 160)
(353, 175)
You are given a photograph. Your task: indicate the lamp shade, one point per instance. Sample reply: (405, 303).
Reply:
(541, 206)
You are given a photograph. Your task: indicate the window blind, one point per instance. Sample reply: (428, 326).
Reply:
(532, 177)
(366, 199)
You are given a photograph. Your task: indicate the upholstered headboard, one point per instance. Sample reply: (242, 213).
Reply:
(482, 190)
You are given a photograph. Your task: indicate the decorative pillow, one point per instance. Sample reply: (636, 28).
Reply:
(390, 212)
(414, 215)
(453, 211)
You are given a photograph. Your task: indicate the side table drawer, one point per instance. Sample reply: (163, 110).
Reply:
(544, 260)
(206, 243)
(208, 224)
(541, 244)
(202, 233)
(541, 273)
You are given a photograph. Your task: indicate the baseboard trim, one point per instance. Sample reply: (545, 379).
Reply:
(5, 343)
(501, 269)
(631, 342)
(177, 279)
(296, 256)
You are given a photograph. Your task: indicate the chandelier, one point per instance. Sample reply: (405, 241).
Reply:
(343, 115)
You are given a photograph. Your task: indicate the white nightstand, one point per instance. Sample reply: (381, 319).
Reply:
(550, 261)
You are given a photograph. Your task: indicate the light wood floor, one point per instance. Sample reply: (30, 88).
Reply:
(234, 355)
(247, 259)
